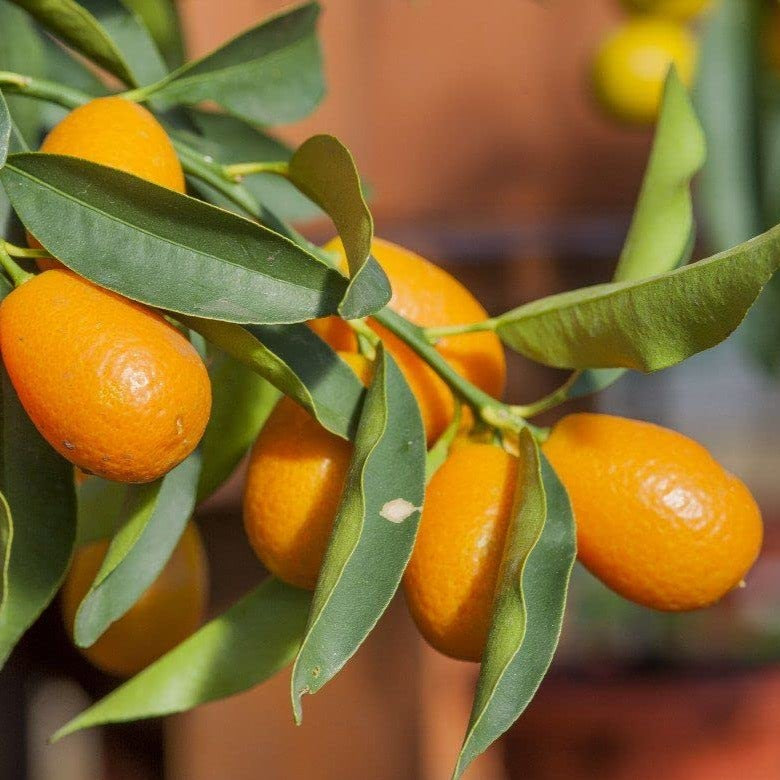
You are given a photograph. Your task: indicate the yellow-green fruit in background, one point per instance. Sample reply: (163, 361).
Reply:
(170, 609)
(631, 65)
(681, 10)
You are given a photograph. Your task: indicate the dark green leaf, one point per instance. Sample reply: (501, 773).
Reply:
(38, 486)
(241, 648)
(323, 169)
(100, 503)
(270, 74)
(530, 600)
(177, 253)
(647, 324)
(162, 20)
(240, 404)
(373, 533)
(6, 540)
(153, 518)
(297, 362)
(5, 130)
(131, 38)
(76, 26)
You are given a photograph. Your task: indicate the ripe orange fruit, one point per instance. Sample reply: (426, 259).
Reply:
(170, 609)
(631, 66)
(430, 297)
(118, 133)
(108, 382)
(681, 10)
(293, 488)
(451, 577)
(658, 519)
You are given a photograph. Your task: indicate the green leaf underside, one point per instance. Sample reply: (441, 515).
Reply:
(228, 140)
(271, 74)
(155, 518)
(241, 648)
(6, 541)
(73, 24)
(323, 169)
(163, 248)
(241, 401)
(647, 324)
(297, 362)
(100, 503)
(530, 602)
(5, 130)
(373, 534)
(131, 38)
(38, 486)
(663, 231)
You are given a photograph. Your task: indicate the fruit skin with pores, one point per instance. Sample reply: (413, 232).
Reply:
(429, 297)
(120, 134)
(170, 609)
(451, 577)
(631, 65)
(658, 519)
(293, 488)
(109, 383)
(681, 10)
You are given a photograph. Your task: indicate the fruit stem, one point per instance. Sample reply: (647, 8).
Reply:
(237, 171)
(50, 91)
(434, 334)
(555, 398)
(20, 251)
(17, 274)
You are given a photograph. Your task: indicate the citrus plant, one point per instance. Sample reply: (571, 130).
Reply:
(147, 334)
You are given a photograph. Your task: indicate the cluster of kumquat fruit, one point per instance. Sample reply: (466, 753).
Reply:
(630, 66)
(121, 393)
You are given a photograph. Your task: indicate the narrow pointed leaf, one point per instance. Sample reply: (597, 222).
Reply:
(38, 486)
(297, 362)
(149, 532)
(323, 169)
(163, 248)
(76, 26)
(240, 404)
(161, 18)
(6, 540)
(241, 648)
(530, 600)
(5, 130)
(271, 74)
(373, 533)
(647, 324)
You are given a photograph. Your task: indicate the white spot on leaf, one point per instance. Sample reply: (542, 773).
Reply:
(398, 510)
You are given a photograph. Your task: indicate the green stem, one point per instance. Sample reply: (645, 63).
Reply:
(550, 401)
(237, 171)
(21, 251)
(50, 91)
(434, 334)
(17, 274)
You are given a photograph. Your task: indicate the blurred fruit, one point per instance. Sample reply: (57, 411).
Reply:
(108, 382)
(451, 577)
(115, 132)
(632, 63)
(430, 297)
(658, 520)
(170, 609)
(335, 332)
(293, 488)
(681, 10)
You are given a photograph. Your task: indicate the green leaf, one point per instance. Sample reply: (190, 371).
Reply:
(154, 518)
(178, 253)
(6, 541)
(539, 554)
(38, 486)
(230, 140)
(240, 404)
(131, 38)
(297, 362)
(323, 169)
(373, 533)
(161, 18)
(241, 648)
(76, 26)
(441, 448)
(271, 74)
(100, 503)
(728, 104)
(647, 324)
(5, 130)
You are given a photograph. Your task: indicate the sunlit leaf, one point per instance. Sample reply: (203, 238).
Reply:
(530, 600)
(241, 648)
(5, 130)
(373, 533)
(177, 253)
